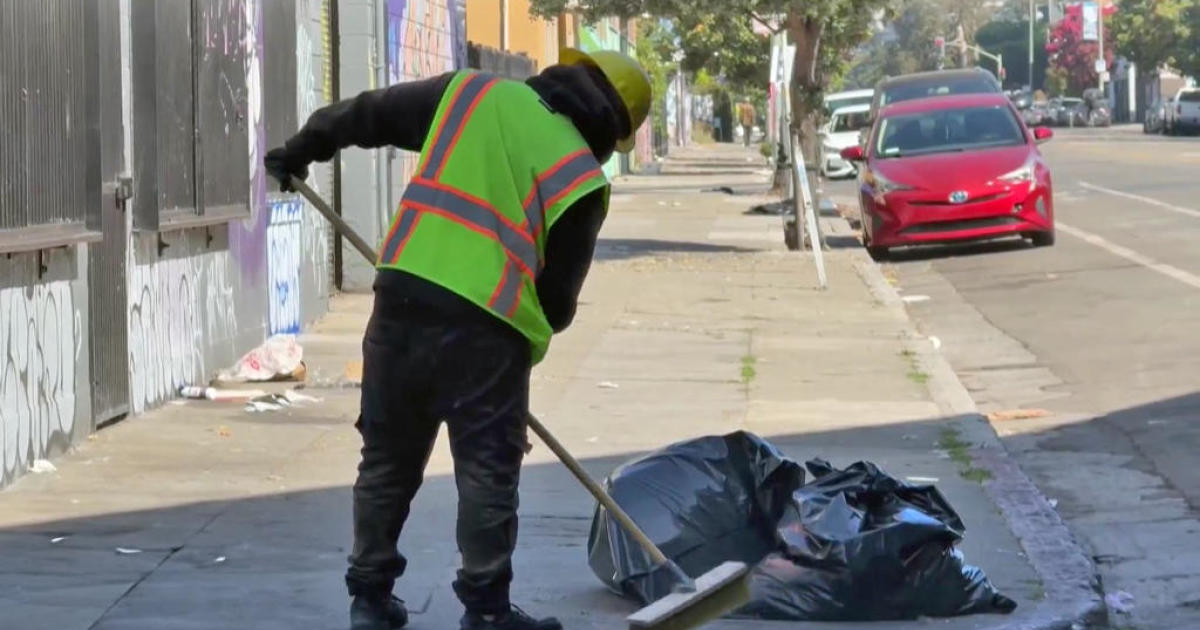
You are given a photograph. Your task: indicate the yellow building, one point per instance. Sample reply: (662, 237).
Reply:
(506, 25)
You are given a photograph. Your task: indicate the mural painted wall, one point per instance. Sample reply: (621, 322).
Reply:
(425, 38)
(43, 360)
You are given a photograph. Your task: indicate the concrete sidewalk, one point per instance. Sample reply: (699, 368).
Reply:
(694, 321)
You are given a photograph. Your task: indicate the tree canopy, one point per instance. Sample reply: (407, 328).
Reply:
(1153, 33)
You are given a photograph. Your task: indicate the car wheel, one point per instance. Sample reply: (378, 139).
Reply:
(1042, 239)
(877, 253)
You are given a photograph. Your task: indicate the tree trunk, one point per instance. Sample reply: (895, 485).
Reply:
(806, 86)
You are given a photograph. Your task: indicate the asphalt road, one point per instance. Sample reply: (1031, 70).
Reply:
(1102, 331)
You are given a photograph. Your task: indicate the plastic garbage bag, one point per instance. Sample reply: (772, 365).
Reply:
(853, 544)
(702, 502)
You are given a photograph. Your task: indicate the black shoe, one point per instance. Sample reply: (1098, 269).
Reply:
(368, 612)
(514, 619)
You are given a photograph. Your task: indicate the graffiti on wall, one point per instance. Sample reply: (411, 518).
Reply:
(283, 266)
(40, 345)
(178, 308)
(310, 86)
(423, 40)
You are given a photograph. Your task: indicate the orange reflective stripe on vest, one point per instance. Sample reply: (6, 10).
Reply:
(469, 94)
(471, 212)
(553, 183)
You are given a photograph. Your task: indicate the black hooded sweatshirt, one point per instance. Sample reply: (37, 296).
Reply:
(401, 116)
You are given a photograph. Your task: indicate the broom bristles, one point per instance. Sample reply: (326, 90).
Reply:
(718, 593)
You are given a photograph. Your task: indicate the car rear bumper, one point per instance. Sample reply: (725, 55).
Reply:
(900, 221)
(835, 166)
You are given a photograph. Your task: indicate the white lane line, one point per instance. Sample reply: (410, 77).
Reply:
(1147, 200)
(1169, 271)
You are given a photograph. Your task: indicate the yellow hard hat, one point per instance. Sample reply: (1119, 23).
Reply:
(626, 75)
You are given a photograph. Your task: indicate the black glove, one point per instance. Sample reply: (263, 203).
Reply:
(284, 165)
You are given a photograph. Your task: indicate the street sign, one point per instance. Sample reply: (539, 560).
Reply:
(1100, 66)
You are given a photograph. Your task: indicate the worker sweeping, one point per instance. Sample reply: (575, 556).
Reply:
(483, 262)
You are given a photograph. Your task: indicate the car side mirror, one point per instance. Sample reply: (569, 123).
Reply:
(1042, 134)
(853, 154)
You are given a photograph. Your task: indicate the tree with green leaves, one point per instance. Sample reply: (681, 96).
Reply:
(825, 33)
(1153, 33)
(1187, 57)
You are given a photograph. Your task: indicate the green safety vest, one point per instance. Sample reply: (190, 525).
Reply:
(497, 170)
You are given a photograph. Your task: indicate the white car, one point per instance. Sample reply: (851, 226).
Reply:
(1183, 112)
(838, 100)
(841, 132)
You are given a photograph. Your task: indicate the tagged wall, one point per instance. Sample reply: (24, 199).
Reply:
(43, 371)
(183, 315)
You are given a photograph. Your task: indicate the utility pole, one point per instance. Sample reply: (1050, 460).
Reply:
(1031, 20)
(1100, 30)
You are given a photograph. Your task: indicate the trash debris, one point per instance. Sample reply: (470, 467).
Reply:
(1016, 414)
(1053, 502)
(1154, 423)
(937, 343)
(224, 431)
(219, 560)
(276, 402)
(922, 480)
(57, 539)
(852, 545)
(1119, 602)
(128, 551)
(279, 358)
(219, 395)
(607, 385)
(774, 207)
(913, 299)
(41, 466)
(722, 189)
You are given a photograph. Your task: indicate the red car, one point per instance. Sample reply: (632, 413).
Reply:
(952, 168)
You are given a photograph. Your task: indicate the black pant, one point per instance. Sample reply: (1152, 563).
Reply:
(422, 366)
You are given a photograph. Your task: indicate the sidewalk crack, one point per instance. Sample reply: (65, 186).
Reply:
(147, 574)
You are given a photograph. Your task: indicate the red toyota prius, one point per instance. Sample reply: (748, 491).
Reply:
(951, 168)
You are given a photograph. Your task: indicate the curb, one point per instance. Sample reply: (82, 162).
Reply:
(1073, 599)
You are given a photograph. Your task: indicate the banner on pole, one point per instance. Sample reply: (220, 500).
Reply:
(1091, 21)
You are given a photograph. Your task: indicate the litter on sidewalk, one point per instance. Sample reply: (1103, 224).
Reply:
(276, 402)
(279, 358)
(853, 544)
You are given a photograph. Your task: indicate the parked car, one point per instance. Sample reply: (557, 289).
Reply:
(1037, 114)
(935, 83)
(1153, 120)
(1184, 115)
(838, 100)
(1063, 110)
(841, 132)
(952, 168)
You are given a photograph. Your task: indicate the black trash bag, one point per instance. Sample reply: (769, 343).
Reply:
(702, 502)
(859, 545)
(855, 544)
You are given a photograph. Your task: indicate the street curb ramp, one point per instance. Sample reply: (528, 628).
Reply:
(1069, 577)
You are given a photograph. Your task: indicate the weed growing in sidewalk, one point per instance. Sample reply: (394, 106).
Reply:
(957, 450)
(748, 370)
(914, 373)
